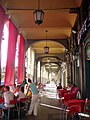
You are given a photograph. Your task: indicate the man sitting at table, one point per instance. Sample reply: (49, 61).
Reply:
(21, 95)
(7, 96)
(59, 86)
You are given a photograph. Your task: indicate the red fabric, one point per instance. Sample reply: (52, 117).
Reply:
(74, 109)
(72, 96)
(2, 18)
(23, 99)
(1, 100)
(13, 102)
(74, 90)
(66, 98)
(10, 65)
(78, 105)
(21, 59)
(61, 92)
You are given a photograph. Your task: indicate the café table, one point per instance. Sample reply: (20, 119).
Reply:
(73, 107)
(61, 92)
(78, 103)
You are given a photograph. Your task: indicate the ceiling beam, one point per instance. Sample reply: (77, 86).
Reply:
(54, 9)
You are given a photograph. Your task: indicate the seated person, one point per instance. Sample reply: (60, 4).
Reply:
(7, 95)
(64, 87)
(17, 90)
(69, 86)
(38, 86)
(0, 91)
(59, 86)
(13, 88)
(75, 90)
(0, 98)
(3, 86)
(28, 92)
(21, 95)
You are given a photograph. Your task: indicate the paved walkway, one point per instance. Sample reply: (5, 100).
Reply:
(48, 108)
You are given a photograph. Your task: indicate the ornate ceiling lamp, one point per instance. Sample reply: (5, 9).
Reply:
(38, 15)
(46, 48)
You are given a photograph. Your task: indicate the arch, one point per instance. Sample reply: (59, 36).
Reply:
(63, 42)
(55, 48)
(42, 57)
(59, 64)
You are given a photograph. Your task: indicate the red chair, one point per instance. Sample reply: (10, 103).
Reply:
(1, 100)
(23, 99)
(13, 102)
(61, 92)
(75, 106)
(11, 106)
(66, 98)
(76, 102)
(72, 96)
(72, 111)
(20, 107)
(64, 102)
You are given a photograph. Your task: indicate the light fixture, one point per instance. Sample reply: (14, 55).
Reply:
(38, 15)
(73, 31)
(46, 48)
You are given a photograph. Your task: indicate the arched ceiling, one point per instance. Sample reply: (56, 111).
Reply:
(51, 64)
(59, 18)
(52, 67)
(54, 47)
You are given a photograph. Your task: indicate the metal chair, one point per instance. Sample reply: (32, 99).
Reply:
(11, 106)
(22, 107)
(64, 103)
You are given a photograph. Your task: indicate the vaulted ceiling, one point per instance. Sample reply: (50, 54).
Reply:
(59, 19)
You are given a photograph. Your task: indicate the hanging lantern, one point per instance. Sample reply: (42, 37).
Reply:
(46, 49)
(38, 16)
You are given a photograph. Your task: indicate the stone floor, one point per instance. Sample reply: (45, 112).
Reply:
(48, 108)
